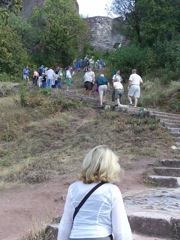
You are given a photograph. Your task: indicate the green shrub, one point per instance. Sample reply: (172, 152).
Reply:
(128, 57)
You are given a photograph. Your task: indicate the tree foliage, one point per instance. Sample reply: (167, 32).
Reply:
(148, 20)
(13, 56)
(60, 32)
(153, 26)
(8, 6)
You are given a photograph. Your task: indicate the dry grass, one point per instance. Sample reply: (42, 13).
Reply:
(166, 97)
(51, 135)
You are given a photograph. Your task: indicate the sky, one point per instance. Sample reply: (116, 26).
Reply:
(92, 8)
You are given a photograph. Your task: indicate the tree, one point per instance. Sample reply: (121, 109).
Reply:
(148, 20)
(13, 56)
(60, 31)
(8, 6)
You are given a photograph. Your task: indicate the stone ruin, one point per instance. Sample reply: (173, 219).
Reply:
(104, 33)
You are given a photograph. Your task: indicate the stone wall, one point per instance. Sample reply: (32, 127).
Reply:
(104, 34)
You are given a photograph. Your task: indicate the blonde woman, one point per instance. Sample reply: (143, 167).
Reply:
(103, 215)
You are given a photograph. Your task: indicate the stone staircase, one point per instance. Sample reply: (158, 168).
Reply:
(167, 174)
(171, 122)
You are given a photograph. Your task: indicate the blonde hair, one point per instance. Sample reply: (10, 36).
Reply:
(100, 164)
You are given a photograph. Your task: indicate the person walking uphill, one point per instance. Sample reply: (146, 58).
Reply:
(135, 81)
(102, 215)
(103, 85)
(116, 77)
(89, 79)
(118, 91)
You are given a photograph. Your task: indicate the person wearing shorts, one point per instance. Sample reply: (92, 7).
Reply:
(134, 89)
(118, 91)
(116, 77)
(89, 79)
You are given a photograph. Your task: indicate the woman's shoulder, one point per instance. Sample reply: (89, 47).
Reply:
(113, 187)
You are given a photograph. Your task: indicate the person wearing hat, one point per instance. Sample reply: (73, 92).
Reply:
(103, 85)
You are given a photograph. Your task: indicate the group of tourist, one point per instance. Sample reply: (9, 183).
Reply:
(47, 77)
(94, 208)
(135, 81)
(78, 65)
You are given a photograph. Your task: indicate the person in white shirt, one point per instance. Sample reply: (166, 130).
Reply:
(89, 80)
(103, 215)
(68, 78)
(135, 81)
(116, 77)
(50, 77)
(119, 89)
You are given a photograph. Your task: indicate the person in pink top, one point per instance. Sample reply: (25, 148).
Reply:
(35, 77)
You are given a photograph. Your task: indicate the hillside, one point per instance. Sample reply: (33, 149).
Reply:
(44, 137)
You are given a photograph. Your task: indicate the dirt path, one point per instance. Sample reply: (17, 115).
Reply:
(28, 208)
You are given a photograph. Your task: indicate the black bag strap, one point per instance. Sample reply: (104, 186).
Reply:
(85, 198)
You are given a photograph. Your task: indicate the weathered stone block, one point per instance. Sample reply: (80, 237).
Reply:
(151, 224)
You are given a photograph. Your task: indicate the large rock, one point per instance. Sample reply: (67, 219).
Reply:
(154, 224)
(28, 6)
(104, 34)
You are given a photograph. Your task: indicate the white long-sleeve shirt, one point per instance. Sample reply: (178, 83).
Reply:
(101, 215)
(68, 74)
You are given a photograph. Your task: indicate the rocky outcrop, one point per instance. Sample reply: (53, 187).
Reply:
(28, 5)
(104, 33)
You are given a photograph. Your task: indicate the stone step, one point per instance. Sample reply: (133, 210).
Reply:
(154, 224)
(169, 120)
(170, 162)
(174, 130)
(52, 230)
(166, 118)
(165, 115)
(167, 171)
(175, 135)
(143, 237)
(165, 181)
(170, 124)
(177, 139)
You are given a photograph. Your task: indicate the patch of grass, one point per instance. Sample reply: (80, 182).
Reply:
(166, 97)
(43, 140)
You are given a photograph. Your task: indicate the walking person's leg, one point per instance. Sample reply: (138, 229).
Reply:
(104, 93)
(135, 102)
(136, 95)
(50, 83)
(101, 92)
